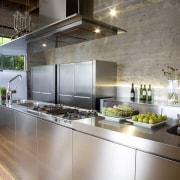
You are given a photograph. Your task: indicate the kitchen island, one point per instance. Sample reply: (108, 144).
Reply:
(41, 147)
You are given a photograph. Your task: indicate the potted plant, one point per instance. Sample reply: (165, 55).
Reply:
(3, 93)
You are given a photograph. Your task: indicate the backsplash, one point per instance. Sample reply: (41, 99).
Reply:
(152, 43)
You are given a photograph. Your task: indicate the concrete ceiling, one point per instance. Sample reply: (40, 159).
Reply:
(9, 7)
(101, 7)
(22, 5)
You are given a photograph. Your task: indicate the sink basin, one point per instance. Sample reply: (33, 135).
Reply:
(174, 130)
(25, 102)
(30, 103)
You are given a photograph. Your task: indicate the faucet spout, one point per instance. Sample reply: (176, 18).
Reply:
(19, 75)
(9, 91)
(178, 120)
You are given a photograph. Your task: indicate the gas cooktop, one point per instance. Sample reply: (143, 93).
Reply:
(62, 113)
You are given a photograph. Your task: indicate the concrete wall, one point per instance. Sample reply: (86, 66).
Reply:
(151, 43)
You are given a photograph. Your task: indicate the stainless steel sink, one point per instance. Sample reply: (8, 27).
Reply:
(31, 103)
(174, 130)
(25, 102)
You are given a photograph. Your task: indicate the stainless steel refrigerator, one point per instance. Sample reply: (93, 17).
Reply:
(83, 84)
(44, 83)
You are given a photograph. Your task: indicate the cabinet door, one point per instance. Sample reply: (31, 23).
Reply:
(26, 147)
(7, 139)
(83, 79)
(83, 102)
(66, 84)
(44, 83)
(54, 151)
(43, 78)
(35, 78)
(151, 167)
(83, 90)
(98, 159)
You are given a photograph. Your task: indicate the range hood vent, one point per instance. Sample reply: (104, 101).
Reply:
(71, 30)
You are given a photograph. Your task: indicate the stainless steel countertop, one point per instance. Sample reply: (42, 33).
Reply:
(156, 140)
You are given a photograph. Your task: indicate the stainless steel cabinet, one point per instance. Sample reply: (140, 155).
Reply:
(96, 159)
(44, 85)
(7, 139)
(26, 147)
(151, 167)
(54, 151)
(32, 148)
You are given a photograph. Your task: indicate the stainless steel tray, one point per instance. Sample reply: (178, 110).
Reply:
(114, 119)
(146, 125)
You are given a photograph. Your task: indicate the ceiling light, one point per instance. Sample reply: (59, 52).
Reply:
(44, 44)
(113, 12)
(97, 30)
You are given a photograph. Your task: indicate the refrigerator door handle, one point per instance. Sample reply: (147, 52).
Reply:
(85, 97)
(66, 95)
(41, 92)
(36, 92)
(45, 93)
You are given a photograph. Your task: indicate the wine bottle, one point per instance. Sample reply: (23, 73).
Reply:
(132, 93)
(149, 93)
(144, 93)
(141, 93)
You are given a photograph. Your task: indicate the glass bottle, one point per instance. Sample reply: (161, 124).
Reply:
(132, 93)
(141, 93)
(144, 93)
(149, 93)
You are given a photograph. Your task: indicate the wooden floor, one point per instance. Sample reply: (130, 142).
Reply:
(4, 174)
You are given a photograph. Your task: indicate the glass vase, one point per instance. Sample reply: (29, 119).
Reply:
(173, 91)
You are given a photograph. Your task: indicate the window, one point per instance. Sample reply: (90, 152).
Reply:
(4, 40)
(11, 62)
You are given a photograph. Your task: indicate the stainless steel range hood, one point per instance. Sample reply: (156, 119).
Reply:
(71, 30)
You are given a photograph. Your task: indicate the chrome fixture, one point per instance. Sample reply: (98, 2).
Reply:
(22, 22)
(178, 121)
(9, 91)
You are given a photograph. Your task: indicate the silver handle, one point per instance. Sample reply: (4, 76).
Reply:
(41, 92)
(66, 95)
(85, 97)
(45, 93)
(36, 92)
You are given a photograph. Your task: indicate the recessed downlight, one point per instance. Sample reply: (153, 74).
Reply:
(113, 12)
(97, 30)
(44, 44)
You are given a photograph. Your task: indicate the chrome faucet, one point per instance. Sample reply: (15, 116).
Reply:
(178, 121)
(9, 91)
